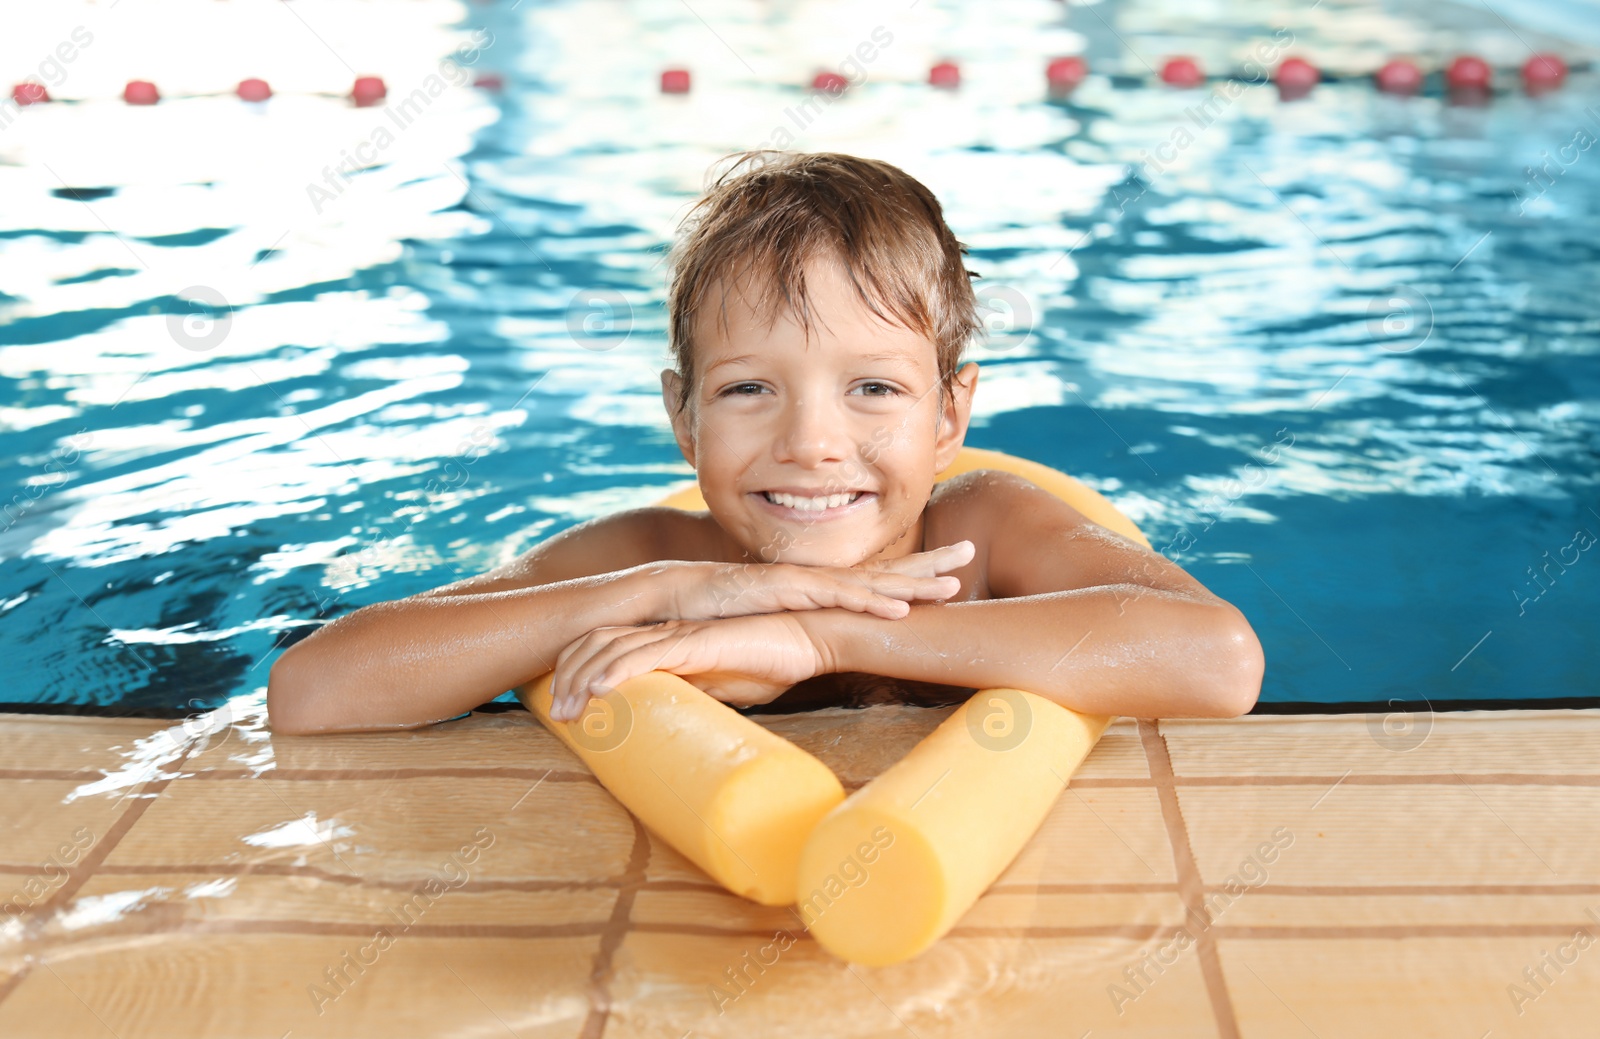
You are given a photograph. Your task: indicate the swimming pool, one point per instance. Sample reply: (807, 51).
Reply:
(1337, 357)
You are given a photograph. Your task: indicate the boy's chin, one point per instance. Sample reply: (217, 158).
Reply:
(845, 554)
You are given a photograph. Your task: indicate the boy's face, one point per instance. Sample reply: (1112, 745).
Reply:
(848, 430)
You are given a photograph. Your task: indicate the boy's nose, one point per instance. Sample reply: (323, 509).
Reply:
(813, 434)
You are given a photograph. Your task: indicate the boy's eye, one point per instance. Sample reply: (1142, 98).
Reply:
(750, 389)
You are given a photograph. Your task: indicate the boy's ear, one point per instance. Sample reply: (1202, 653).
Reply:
(671, 384)
(954, 416)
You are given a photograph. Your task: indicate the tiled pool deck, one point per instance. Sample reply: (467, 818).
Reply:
(1318, 876)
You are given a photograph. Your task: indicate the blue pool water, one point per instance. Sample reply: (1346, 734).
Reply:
(1338, 357)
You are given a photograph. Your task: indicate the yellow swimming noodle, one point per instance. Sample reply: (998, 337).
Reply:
(731, 796)
(878, 877)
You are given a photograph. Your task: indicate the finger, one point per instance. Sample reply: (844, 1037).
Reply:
(574, 653)
(904, 586)
(931, 562)
(910, 588)
(570, 708)
(848, 590)
(663, 654)
(737, 692)
(575, 690)
(883, 594)
(948, 557)
(572, 704)
(559, 680)
(561, 706)
(642, 649)
(564, 699)
(888, 607)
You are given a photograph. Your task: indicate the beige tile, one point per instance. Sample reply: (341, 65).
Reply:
(1423, 988)
(1450, 833)
(70, 743)
(998, 908)
(401, 829)
(1097, 835)
(718, 909)
(14, 955)
(205, 986)
(1263, 908)
(1551, 742)
(968, 987)
(859, 745)
(46, 831)
(480, 741)
(1118, 755)
(158, 944)
(1024, 909)
(666, 864)
(121, 904)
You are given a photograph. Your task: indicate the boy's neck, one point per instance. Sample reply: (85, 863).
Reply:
(916, 534)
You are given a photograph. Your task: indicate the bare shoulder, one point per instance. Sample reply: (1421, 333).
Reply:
(1032, 542)
(982, 488)
(994, 495)
(984, 504)
(598, 546)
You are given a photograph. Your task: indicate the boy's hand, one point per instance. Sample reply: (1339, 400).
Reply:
(740, 660)
(704, 591)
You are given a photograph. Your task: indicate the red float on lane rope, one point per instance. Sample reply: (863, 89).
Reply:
(489, 81)
(1468, 72)
(368, 91)
(1543, 72)
(1182, 72)
(1399, 76)
(830, 82)
(945, 74)
(1296, 77)
(29, 93)
(253, 90)
(675, 81)
(1066, 73)
(140, 92)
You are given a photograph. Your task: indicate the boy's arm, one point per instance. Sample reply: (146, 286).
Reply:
(1080, 615)
(431, 656)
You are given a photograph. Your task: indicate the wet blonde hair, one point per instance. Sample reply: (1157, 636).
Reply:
(772, 212)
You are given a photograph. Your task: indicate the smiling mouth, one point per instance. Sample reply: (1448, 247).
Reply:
(819, 503)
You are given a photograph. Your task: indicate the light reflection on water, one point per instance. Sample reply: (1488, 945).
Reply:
(1322, 354)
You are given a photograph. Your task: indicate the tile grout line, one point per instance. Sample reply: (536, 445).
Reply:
(125, 821)
(312, 775)
(600, 978)
(1552, 779)
(1394, 779)
(279, 869)
(599, 928)
(1191, 888)
(272, 869)
(147, 795)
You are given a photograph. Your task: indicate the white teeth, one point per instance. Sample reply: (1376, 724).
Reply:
(831, 501)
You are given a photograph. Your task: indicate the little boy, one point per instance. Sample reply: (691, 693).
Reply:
(818, 311)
